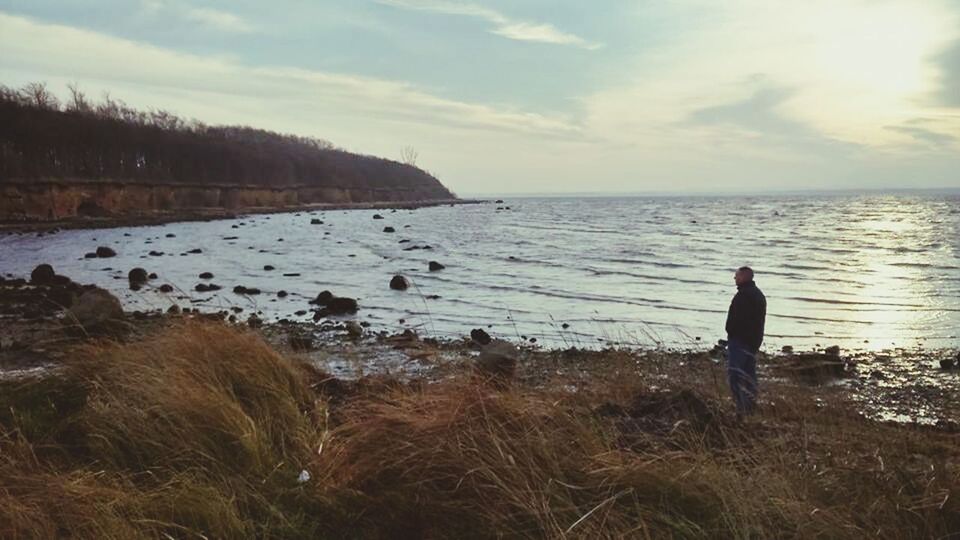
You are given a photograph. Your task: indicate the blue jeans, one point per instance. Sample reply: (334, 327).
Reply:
(742, 374)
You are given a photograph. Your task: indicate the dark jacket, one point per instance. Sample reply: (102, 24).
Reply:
(748, 310)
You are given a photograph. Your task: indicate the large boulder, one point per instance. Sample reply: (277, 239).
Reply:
(42, 275)
(95, 309)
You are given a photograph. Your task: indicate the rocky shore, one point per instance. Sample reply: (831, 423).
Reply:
(107, 220)
(45, 315)
(122, 425)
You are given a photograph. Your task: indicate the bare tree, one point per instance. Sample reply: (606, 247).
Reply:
(78, 100)
(408, 155)
(38, 95)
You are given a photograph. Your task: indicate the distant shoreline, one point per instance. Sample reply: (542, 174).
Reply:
(212, 214)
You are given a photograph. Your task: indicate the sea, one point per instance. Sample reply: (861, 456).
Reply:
(865, 271)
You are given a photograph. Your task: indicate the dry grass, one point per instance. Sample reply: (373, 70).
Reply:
(201, 431)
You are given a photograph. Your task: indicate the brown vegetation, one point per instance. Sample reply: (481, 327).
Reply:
(202, 431)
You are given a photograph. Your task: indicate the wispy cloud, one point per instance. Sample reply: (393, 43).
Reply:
(208, 17)
(502, 25)
(218, 19)
(923, 131)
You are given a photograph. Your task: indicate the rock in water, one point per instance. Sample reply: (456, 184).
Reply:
(42, 275)
(206, 275)
(389, 229)
(435, 266)
(833, 350)
(377, 216)
(480, 336)
(105, 252)
(323, 298)
(399, 283)
(137, 277)
(95, 310)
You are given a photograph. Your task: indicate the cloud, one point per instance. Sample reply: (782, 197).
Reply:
(948, 62)
(919, 130)
(76, 54)
(220, 20)
(502, 25)
(210, 18)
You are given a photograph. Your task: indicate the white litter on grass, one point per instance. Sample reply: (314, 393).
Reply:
(304, 477)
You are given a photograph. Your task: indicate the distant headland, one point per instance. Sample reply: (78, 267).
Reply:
(84, 161)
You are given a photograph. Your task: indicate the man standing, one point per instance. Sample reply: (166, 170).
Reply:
(748, 310)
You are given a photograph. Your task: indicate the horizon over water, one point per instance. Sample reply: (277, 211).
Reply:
(866, 271)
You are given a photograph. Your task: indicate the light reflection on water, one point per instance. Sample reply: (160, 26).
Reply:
(862, 271)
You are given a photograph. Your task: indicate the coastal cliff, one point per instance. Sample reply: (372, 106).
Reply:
(57, 200)
(81, 160)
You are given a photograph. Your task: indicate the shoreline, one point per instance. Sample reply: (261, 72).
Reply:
(10, 226)
(895, 384)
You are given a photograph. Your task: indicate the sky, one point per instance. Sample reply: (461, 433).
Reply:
(533, 96)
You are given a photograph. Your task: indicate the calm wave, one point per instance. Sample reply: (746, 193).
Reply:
(862, 271)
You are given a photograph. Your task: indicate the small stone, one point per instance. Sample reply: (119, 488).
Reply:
(282, 294)
(206, 275)
(166, 288)
(434, 266)
(104, 252)
(268, 267)
(354, 330)
(389, 229)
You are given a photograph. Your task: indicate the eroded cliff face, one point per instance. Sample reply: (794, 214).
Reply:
(39, 200)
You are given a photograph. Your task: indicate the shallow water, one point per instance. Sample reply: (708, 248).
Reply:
(866, 272)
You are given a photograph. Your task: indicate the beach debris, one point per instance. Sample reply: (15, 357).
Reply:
(399, 283)
(304, 477)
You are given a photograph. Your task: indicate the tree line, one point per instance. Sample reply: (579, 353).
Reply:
(43, 137)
